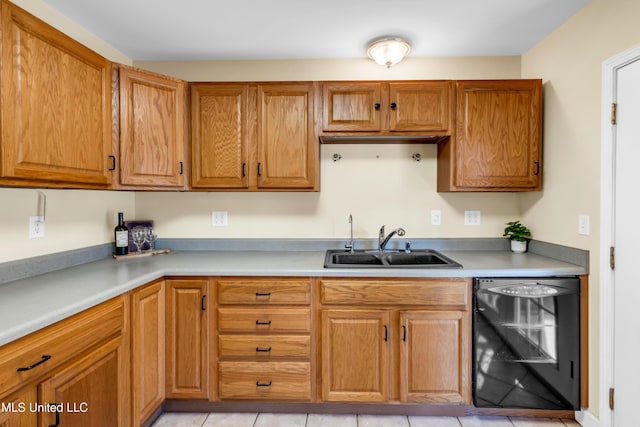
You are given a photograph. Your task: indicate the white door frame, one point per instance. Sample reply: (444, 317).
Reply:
(607, 183)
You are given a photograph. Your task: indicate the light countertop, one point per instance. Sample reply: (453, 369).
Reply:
(30, 304)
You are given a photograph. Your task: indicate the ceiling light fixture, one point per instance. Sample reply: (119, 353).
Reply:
(388, 50)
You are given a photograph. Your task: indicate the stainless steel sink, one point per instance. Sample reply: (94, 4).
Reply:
(420, 258)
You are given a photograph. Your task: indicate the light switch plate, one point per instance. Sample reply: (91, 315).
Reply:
(583, 225)
(219, 219)
(472, 218)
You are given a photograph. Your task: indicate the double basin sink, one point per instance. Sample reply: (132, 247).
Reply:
(420, 258)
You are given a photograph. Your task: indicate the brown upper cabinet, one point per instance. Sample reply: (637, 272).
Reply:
(152, 136)
(386, 108)
(497, 144)
(55, 107)
(254, 136)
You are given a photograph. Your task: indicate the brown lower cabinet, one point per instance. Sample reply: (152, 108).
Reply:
(73, 373)
(404, 340)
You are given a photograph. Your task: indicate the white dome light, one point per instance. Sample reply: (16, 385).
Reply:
(388, 50)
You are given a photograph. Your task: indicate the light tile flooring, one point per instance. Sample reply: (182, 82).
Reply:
(323, 420)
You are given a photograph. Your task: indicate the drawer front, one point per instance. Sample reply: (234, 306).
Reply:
(264, 319)
(35, 355)
(264, 347)
(424, 292)
(264, 292)
(265, 380)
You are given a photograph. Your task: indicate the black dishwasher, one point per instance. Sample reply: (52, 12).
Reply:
(526, 343)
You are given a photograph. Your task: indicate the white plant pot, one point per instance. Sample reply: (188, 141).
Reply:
(518, 247)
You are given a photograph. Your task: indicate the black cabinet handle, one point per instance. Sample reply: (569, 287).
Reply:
(393, 105)
(261, 294)
(386, 333)
(244, 170)
(57, 418)
(537, 171)
(404, 333)
(259, 169)
(203, 303)
(263, 350)
(113, 163)
(268, 322)
(181, 168)
(259, 384)
(30, 367)
(376, 106)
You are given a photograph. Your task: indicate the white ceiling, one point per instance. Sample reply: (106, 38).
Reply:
(288, 29)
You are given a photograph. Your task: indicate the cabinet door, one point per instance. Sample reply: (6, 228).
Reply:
(355, 355)
(435, 357)
(498, 135)
(287, 143)
(55, 105)
(147, 350)
(419, 106)
(220, 136)
(152, 129)
(88, 390)
(17, 410)
(352, 106)
(187, 339)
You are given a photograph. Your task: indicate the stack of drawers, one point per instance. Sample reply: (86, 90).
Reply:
(264, 339)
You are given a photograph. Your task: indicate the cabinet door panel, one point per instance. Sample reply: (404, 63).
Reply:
(355, 355)
(287, 145)
(187, 341)
(419, 106)
(220, 136)
(18, 411)
(88, 389)
(56, 104)
(152, 138)
(352, 106)
(434, 361)
(147, 350)
(499, 134)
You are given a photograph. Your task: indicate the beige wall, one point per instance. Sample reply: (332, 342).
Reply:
(570, 62)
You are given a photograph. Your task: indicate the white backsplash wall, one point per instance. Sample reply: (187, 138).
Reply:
(377, 184)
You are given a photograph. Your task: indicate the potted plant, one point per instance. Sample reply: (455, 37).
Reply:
(519, 236)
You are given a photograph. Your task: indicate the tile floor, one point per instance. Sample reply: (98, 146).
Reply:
(322, 420)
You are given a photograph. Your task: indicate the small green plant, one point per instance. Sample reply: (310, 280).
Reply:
(516, 231)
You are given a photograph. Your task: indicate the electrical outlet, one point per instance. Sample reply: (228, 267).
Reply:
(583, 225)
(472, 218)
(436, 217)
(219, 219)
(36, 227)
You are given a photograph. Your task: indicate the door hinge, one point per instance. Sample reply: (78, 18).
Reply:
(611, 398)
(612, 257)
(614, 110)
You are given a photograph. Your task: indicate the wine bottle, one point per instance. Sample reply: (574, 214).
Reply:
(122, 236)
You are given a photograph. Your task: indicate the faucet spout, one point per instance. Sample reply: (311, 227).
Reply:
(383, 240)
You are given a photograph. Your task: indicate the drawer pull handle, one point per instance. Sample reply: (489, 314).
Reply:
(263, 350)
(203, 303)
(268, 322)
(263, 294)
(28, 368)
(57, 419)
(259, 384)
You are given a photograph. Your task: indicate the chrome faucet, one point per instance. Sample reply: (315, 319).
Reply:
(349, 245)
(383, 240)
